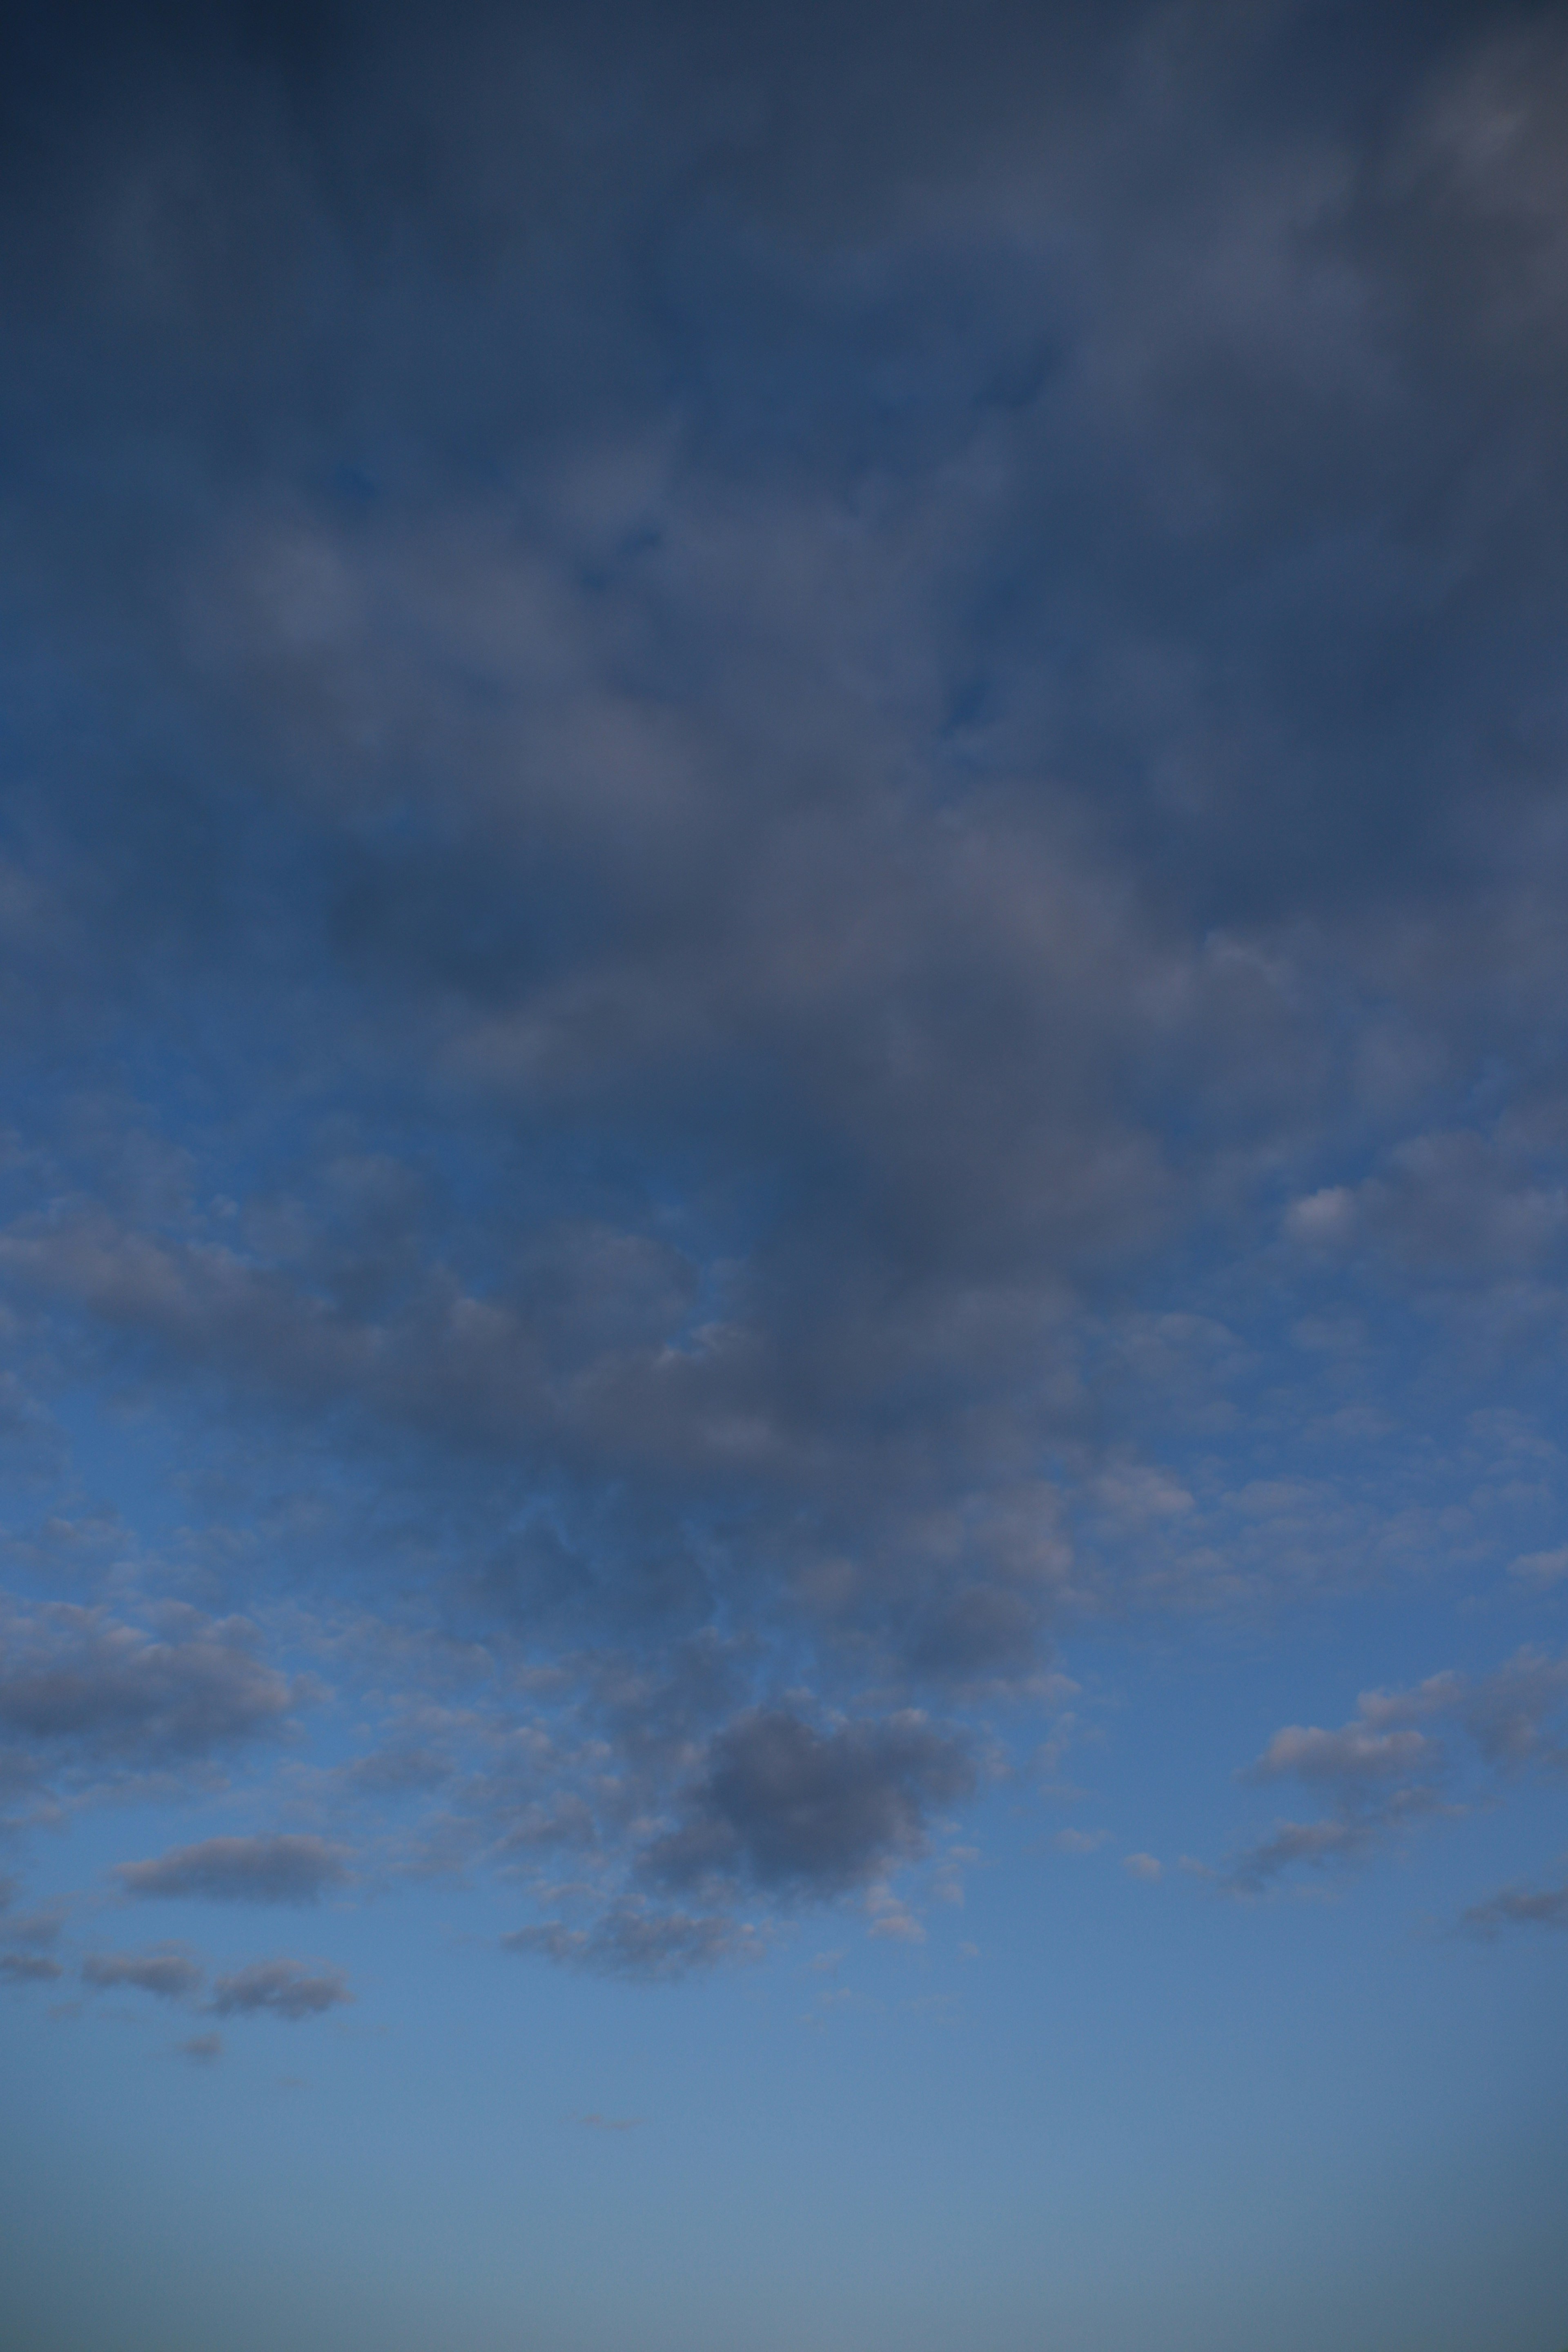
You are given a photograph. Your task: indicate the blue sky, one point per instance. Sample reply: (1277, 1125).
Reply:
(783, 1223)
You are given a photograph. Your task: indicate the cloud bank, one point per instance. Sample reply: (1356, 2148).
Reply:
(781, 869)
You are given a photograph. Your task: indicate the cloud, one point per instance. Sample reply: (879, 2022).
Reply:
(1515, 1907)
(28, 1967)
(280, 1869)
(1144, 1866)
(1314, 1842)
(169, 1974)
(785, 1806)
(990, 755)
(1352, 1754)
(634, 1940)
(1542, 1567)
(1079, 1841)
(202, 2049)
(85, 1690)
(292, 1990)
(1384, 1773)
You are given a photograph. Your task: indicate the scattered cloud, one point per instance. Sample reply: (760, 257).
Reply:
(1385, 1772)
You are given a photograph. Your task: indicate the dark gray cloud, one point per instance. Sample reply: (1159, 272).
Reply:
(202, 2049)
(279, 1869)
(292, 1990)
(787, 1807)
(169, 1973)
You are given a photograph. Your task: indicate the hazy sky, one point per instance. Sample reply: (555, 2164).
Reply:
(784, 1250)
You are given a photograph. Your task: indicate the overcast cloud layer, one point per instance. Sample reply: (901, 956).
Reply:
(781, 887)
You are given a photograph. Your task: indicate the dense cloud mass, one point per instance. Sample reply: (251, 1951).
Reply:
(781, 868)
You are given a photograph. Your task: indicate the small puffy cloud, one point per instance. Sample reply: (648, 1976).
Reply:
(239, 1870)
(1144, 1866)
(202, 2049)
(168, 1973)
(292, 1990)
(1514, 1908)
(787, 1806)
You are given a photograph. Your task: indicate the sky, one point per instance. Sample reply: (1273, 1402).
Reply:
(783, 1177)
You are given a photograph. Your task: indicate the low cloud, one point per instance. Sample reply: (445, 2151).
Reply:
(239, 1870)
(292, 1990)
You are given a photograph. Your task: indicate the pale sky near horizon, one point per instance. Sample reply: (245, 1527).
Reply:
(784, 1264)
